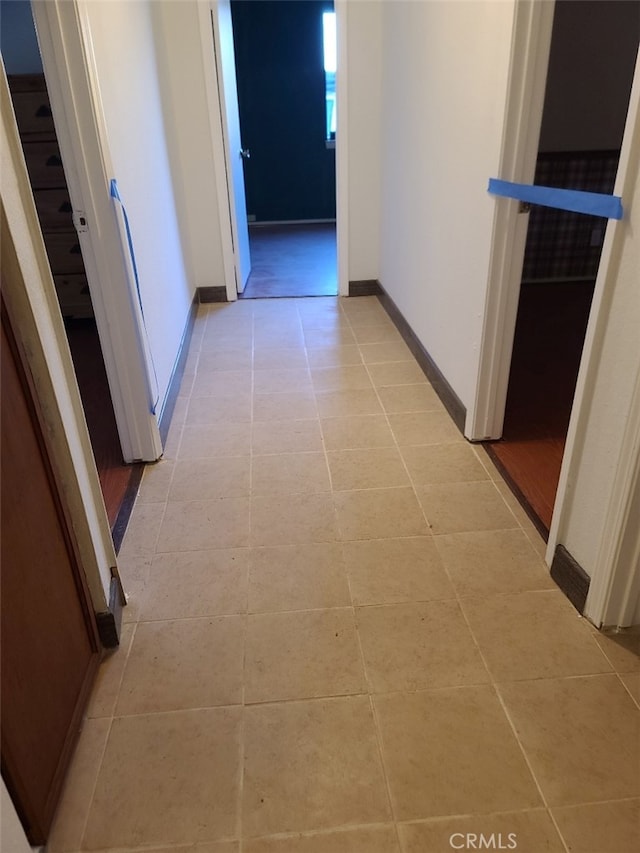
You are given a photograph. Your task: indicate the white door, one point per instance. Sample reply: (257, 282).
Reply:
(234, 153)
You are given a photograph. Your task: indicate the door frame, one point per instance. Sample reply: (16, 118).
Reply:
(615, 583)
(64, 37)
(530, 49)
(227, 207)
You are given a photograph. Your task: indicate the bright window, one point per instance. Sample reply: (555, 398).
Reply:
(330, 64)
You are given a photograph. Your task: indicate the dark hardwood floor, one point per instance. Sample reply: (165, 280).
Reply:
(118, 480)
(550, 330)
(292, 260)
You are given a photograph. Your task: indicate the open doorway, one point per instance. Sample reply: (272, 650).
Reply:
(591, 65)
(285, 60)
(28, 87)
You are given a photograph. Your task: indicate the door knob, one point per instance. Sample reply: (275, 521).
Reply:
(245, 153)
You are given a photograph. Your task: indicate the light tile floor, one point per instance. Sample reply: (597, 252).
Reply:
(341, 635)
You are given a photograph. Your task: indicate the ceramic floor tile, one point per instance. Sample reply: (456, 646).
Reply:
(493, 562)
(281, 379)
(142, 530)
(452, 752)
(342, 378)
(202, 525)
(169, 794)
(105, 690)
(443, 463)
(207, 847)
(210, 384)
(398, 399)
(530, 531)
(181, 664)
(310, 766)
(302, 655)
(356, 432)
(221, 360)
(196, 583)
(233, 407)
(292, 520)
(396, 373)
(69, 823)
(418, 428)
(344, 404)
(533, 635)
(156, 480)
(208, 479)
(527, 832)
(286, 405)
(279, 359)
(134, 595)
(385, 351)
(631, 681)
(417, 646)
(334, 356)
(297, 577)
(286, 436)
(289, 474)
(391, 571)
(200, 441)
(379, 839)
(379, 514)
(375, 333)
(462, 507)
(566, 728)
(319, 338)
(622, 649)
(601, 827)
(377, 468)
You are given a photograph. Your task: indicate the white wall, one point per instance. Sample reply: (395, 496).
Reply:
(180, 64)
(364, 45)
(123, 40)
(445, 73)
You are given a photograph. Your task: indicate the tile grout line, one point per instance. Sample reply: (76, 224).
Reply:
(372, 704)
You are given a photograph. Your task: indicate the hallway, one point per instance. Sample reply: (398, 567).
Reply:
(341, 635)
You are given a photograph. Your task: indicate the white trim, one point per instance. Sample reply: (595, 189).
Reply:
(342, 149)
(530, 46)
(613, 592)
(208, 36)
(65, 42)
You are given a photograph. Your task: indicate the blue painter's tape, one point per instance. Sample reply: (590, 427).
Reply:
(115, 195)
(596, 204)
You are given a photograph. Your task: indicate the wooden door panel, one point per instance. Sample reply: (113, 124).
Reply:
(48, 637)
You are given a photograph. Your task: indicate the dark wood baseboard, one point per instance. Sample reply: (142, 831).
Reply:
(178, 371)
(110, 621)
(212, 294)
(517, 492)
(365, 287)
(448, 396)
(126, 507)
(570, 577)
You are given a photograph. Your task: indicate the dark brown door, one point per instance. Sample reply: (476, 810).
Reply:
(50, 648)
